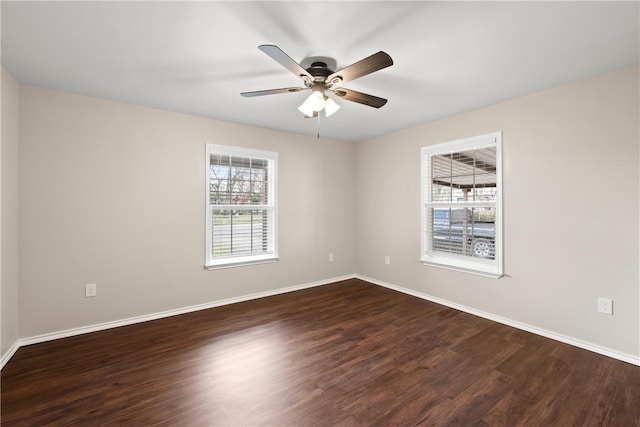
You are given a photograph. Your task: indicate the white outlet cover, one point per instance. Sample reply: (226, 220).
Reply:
(90, 290)
(605, 305)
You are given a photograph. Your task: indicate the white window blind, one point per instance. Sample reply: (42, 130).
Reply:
(461, 226)
(241, 206)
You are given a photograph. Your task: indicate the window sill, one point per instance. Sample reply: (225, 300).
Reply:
(466, 267)
(240, 262)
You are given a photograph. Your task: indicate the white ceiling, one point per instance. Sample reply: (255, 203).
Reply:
(196, 57)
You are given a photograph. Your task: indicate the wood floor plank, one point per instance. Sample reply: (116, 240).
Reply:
(344, 354)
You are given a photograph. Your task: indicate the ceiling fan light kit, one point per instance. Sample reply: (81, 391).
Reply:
(320, 79)
(317, 102)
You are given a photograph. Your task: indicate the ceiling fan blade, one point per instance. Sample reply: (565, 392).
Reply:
(272, 91)
(359, 97)
(285, 60)
(368, 65)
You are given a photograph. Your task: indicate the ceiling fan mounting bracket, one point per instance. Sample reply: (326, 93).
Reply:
(319, 71)
(318, 64)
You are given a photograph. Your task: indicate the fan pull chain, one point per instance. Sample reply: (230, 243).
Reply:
(318, 135)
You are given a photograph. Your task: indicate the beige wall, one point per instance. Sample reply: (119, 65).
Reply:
(9, 291)
(571, 196)
(114, 194)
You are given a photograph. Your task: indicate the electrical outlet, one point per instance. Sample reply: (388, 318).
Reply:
(90, 290)
(387, 260)
(605, 305)
(331, 257)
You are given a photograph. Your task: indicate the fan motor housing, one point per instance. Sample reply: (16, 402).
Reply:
(319, 71)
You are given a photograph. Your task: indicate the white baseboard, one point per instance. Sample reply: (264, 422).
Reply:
(9, 354)
(154, 316)
(145, 318)
(634, 360)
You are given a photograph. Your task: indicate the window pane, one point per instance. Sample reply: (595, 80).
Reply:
(238, 232)
(463, 176)
(485, 194)
(441, 177)
(238, 181)
(258, 186)
(463, 231)
(219, 181)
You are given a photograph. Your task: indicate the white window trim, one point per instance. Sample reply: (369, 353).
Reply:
(488, 268)
(238, 261)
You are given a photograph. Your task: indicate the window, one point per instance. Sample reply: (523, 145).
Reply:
(241, 206)
(461, 205)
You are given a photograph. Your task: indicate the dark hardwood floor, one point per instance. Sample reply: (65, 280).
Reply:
(345, 354)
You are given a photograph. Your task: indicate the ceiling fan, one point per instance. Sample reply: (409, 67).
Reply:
(320, 79)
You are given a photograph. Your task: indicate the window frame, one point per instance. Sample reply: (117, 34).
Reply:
(465, 263)
(271, 254)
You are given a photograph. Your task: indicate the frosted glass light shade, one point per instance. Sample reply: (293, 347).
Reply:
(330, 106)
(316, 100)
(306, 109)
